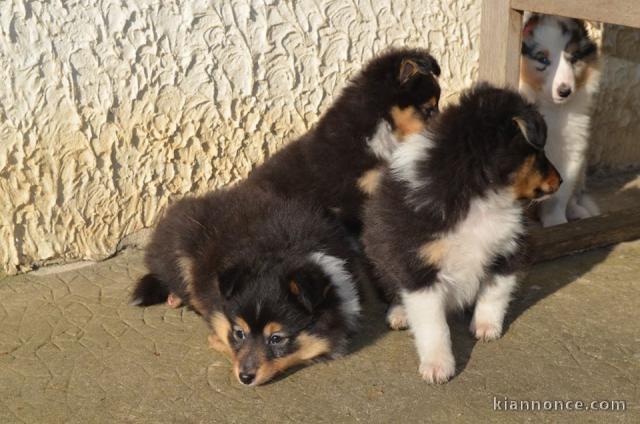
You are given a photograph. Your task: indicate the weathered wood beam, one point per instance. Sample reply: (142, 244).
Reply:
(585, 234)
(619, 12)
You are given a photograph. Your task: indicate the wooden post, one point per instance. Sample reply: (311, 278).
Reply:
(500, 43)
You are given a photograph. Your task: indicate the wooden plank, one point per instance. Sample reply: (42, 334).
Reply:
(620, 12)
(586, 234)
(500, 43)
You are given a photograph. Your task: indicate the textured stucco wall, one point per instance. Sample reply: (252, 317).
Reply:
(109, 108)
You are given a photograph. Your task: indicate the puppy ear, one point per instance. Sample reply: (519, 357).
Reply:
(408, 68)
(533, 128)
(429, 64)
(229, 280)
(309, 286)
(521, 123)
(530, 22)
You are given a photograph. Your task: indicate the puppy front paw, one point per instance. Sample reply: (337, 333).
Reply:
(438, 370)
(553, 219)
(485, 331)
(397, 317)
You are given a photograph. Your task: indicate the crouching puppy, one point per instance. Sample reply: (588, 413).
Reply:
(274, 279)
(444, 229)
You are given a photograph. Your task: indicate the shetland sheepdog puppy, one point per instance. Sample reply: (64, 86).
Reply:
(274, 279)
(445, 228)
(560, 73)
(338, 162)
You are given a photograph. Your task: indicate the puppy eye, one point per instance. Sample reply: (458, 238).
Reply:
(428, 111)
(238, 334)
(277, 339)
(542, 59)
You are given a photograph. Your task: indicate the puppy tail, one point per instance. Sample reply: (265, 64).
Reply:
(149, 291)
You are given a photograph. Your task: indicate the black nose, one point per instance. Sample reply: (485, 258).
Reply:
(246, 378)
(564, 91)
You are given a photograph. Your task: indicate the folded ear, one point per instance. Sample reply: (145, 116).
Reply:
(230, 280)
(533, 128)
(309, 285)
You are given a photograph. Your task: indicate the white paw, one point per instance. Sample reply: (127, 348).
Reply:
(575, 211)
(587, 202)
(551, 220)
(397, 318)
(439, 369)
(485, 331)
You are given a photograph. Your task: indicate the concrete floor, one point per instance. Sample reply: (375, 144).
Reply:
(72, 350)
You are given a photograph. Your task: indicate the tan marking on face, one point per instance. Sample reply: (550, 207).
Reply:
(433, 252)
(309, 347)
(527, 179)
(187, 266)
(431, 103)
(293, 288)
(219, 340)
(243, 324)
(551, 184)
(530, 75)
(271, 327)
(407, 121)
(370, 180)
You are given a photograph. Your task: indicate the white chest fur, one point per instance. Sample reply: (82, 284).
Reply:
(491, 228)
(568, 134)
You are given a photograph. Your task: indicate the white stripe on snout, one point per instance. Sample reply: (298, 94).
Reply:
(564, 75)
(343, 283)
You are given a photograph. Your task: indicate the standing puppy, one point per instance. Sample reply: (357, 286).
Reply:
(337, 163)
(444, 229)
(560, 74)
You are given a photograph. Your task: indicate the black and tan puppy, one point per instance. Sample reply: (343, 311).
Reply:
(274, 279)
(337, 163)
(444, 229)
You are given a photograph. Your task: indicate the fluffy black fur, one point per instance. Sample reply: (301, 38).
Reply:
(477, 147)
(444, 228)
(325, 164)
(233, 254)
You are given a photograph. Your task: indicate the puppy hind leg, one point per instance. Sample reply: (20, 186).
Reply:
(173, 301)
(427, 317)
(491, 307)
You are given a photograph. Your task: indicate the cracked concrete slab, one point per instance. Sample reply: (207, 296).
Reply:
(73, 351)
